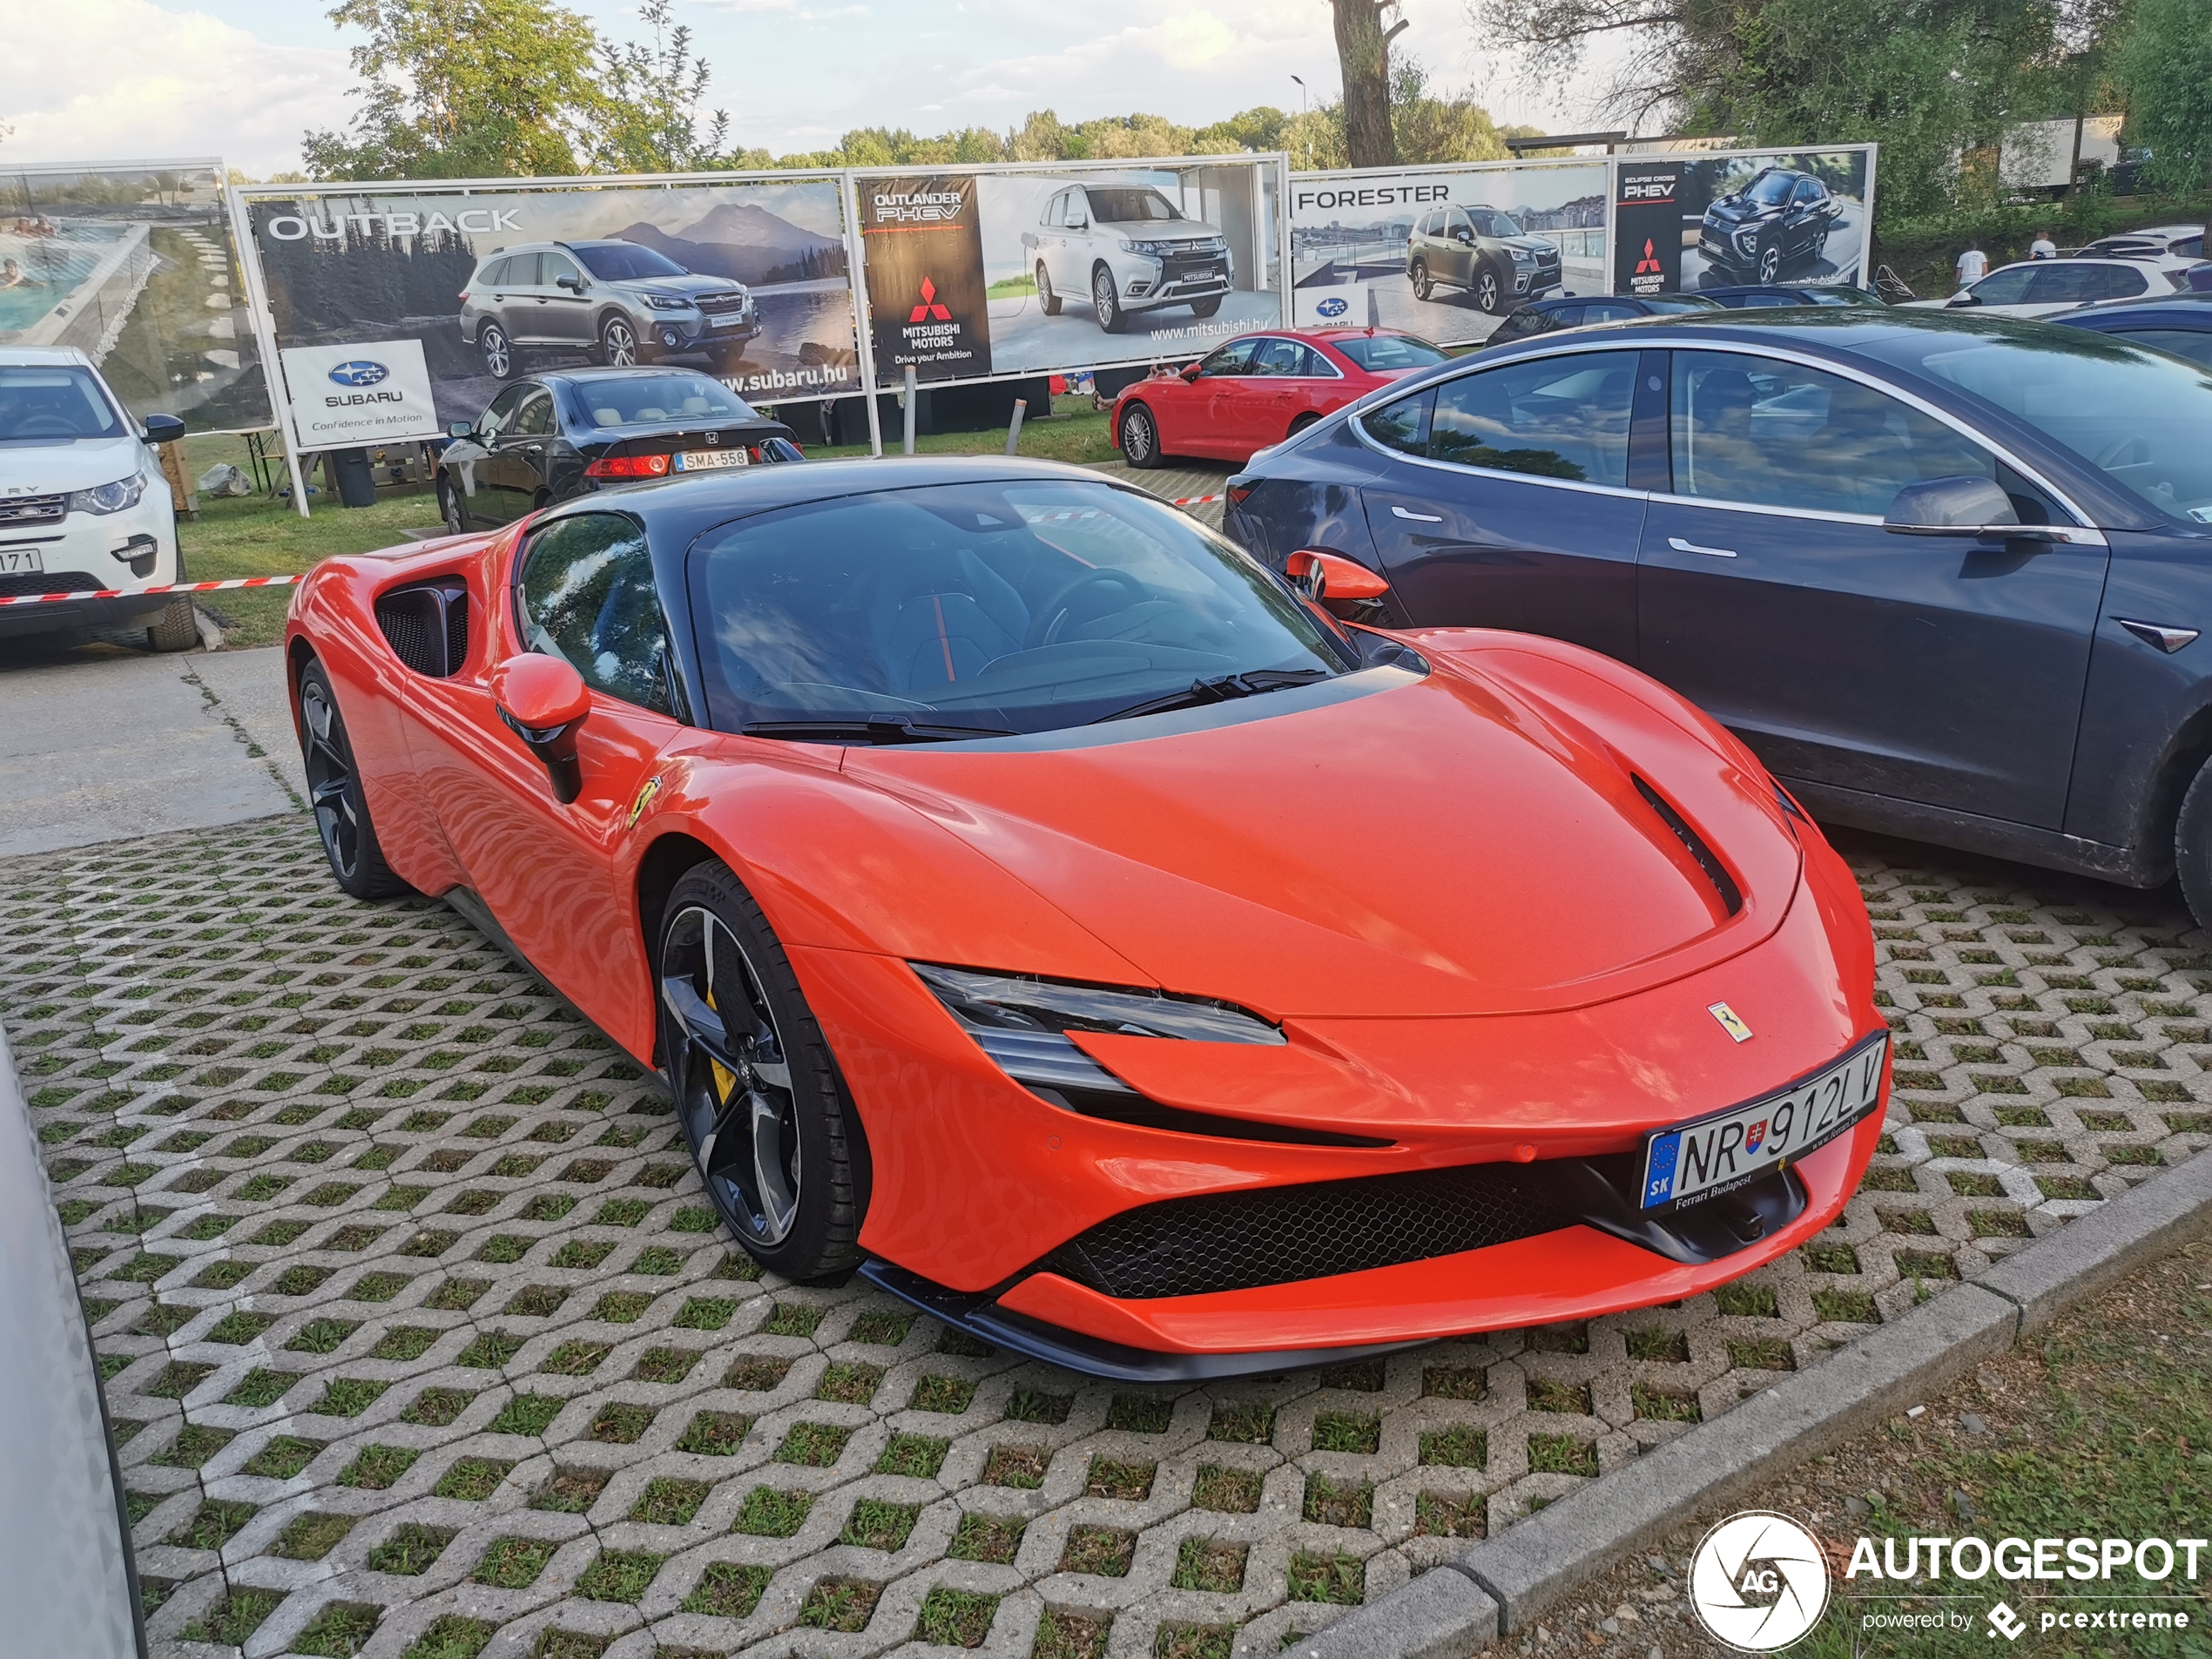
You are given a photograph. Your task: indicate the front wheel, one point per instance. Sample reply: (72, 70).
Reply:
(771, 1130)
(334, 794)
(1048, 301)
(1489, 293)
(498, 350)
(1205, 307)
(1140, 436)
(617, 343)
(1423, 286)
(1106, 299)
(174, 628)
(1770, 264)
(450, 509)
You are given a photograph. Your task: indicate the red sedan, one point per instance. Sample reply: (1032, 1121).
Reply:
(1259, 389)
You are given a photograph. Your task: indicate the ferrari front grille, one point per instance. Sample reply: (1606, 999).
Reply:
(1716, 871)
(426, 625)
(1239, 1240)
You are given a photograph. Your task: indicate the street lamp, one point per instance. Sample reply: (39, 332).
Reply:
(1305, 104)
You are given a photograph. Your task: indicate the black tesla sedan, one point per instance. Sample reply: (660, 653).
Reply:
(553, 437)
(1947, 575)
(1549, 316)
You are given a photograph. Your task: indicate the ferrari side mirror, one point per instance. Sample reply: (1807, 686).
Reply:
(543, 701)
(1344, 587)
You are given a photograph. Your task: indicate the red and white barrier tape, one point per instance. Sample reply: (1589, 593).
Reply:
(173, 587)
(1196, 500)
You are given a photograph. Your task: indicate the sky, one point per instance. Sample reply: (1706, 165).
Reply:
(132, 80)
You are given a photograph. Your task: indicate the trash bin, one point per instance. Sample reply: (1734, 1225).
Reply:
(356, 478)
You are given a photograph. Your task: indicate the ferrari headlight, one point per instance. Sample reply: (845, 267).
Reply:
(118, 497)
(1023, 1023)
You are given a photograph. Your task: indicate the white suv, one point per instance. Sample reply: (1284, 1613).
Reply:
(1127, 248)
(83, 504)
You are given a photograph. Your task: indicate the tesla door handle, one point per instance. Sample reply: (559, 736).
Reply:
(1681, 546)
(1419, 518)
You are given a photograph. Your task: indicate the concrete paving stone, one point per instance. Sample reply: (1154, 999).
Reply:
(217, 1045)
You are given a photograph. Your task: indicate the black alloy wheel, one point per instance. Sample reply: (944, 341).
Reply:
(1770, 263)
(617, 343)
(1488, 291)
(1140, 436)
(1048, 301)
(450, 507)
(498, 350)
(774, 1137)
(334, 794)
(1106, 299)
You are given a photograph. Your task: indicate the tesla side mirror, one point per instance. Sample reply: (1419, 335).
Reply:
(163, 428)
(542, 701)
(1343, 587)
(461, 429)
(1967, 505)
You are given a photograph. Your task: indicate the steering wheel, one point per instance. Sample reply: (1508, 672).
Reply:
(2131, 451)
(44, 426)
(1053, 614)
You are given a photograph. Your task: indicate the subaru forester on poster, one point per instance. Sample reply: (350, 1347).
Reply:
(1130, 248)
(1482, 251)
(618, 301)
(1780, 217)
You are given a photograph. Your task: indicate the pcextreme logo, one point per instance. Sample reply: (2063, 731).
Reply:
(1758, 1582)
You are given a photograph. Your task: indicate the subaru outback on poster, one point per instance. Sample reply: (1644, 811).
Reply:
(1125, 247)
(619, 301)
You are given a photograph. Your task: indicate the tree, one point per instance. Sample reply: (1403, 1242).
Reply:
(460, 89)
(653, 93)
(2167, 62)
(1363, 53)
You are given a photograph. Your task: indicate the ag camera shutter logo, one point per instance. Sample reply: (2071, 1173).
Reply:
(1758, 1582)
(359, 372)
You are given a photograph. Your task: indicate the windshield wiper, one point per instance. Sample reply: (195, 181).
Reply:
(876, 731)
(1221, 688)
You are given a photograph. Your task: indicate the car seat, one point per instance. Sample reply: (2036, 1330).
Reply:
(1723, 460)
(943, 616)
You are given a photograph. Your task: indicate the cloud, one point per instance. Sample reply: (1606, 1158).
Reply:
(99, 80)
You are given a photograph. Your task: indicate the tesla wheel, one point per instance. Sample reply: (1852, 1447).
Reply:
(1422, 286)
(1205, 307)
(1488, 291)
(1048, 301)
(1770, 264)
(450, 509)
(498, 350)
(1107, 300)
(174, 629)
(2193, 845)
(1140, 436)
(617, 343)
(775, 1137)
(334, 794)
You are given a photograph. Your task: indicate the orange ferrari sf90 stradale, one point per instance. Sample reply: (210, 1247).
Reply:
(1115, 948)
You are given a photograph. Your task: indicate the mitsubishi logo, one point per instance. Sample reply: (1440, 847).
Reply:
(1649, 263)
(930, 310)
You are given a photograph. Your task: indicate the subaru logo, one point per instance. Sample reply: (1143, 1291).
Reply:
(359, 372)
(1333, 308)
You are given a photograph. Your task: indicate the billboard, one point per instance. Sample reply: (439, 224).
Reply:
(1445, 253)
(132, 263)
(1032, 270)
(1770, 216)
(740, 276)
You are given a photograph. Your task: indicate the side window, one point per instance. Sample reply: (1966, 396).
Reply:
(2007, 288)
(1313, 365)
(1402, 425)
(495, 274)
(587, 596)
(1427, 226)
(2060, 282)
(551, 267)
(2182, 342)
(1806, 191)
(2123, 284)
(1567, 317)
(522, 271)
(534, 418)
(1280, 358)
(1759, 430)
(496, 419)
(1235, 358)
(1563, 417)
(1456, 225)
(1601, 311)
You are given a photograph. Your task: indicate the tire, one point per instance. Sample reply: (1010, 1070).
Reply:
(451, 508)
(1106, 299)
(772, 1133)
(1140, 436)
(1300, 424)
(617, 343)
(174, 628)
(336, 796)
(498, 350)
(1770, 263)
(1205, 307)
(1422, 286)
(1819, 249)
(2193, 845)
(1489, 292)
(1048, 301)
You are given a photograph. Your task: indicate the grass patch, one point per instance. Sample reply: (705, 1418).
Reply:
(451, 1637)
(472, 1480)
(1209, 1564)
(1457, 1447)
(955, 1618)
(1020, 1467)
(1338, 1578)
(1331, 1503)
(1111, 1478)
(436, 1407)
(620, 1423)
(526, 1414)
(855, 1385)
(1562, 1455)
(1103, 1552)
(839, 1604)
(715, 1434)
(570, 1491)
(1251, 1422)
(771, 1512)
(235, 1617)
(376, 1469)
(912, 1454)
(815, 1446)
(514, 1563)
(875, 1524)
(342, 1629)
(986, 1538)
(667, 1501)
(728, 1590)
(1348, 1432)
(620, 1575)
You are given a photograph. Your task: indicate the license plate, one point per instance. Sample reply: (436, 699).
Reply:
(733, 320)
(1695, 1160)
(20, 560)
(707, 460)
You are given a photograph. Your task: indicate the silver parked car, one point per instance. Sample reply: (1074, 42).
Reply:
(619, 301)
(68, 1584)
(1483, 250)
(1130, 249)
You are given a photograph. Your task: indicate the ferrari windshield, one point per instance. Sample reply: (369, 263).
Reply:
(1007, 607)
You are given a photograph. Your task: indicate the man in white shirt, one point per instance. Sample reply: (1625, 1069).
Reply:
(2042, 247)
(1973, 265)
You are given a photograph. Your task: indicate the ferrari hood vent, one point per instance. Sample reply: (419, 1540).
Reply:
(426, 624)
(1716, 871)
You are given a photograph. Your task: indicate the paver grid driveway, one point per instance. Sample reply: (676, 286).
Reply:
(423, 1341)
